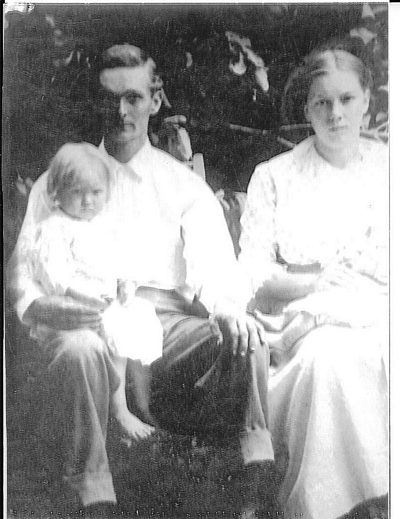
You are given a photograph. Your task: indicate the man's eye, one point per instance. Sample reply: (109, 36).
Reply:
(131, 98)
(97, 192)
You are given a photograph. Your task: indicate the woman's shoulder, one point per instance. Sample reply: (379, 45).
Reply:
(373, 149)
(288, 161)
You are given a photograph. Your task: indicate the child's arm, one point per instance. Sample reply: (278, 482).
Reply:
(51, 258)
(126, 290)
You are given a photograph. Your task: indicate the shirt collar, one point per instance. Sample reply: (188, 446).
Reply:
(137, 166)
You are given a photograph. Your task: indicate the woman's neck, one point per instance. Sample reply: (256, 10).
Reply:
(339, 158)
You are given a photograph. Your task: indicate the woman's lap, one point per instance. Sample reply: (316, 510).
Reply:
(328, 417)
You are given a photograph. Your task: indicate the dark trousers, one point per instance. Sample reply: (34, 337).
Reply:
(197, 388)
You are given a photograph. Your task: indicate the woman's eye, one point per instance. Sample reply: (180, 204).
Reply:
(346, 99)
(97, 192)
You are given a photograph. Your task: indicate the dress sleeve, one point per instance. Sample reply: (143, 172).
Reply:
(51, 258)
(258, 241)
(212, 268)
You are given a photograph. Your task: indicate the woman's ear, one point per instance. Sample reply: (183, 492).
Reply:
(367, 99)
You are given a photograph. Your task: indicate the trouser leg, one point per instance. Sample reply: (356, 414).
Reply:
(205, 390)
(78, 383)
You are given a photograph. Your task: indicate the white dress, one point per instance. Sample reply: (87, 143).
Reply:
(329, 403)
(86, 256)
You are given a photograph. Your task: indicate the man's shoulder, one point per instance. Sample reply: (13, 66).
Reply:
(168, 160)
(41, 181)
(170, 168)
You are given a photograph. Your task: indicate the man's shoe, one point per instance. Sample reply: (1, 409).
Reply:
(104, 509)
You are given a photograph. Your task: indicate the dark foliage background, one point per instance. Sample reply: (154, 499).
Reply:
(232, 114)
(229, 92)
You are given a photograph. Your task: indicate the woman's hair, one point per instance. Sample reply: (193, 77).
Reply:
(319, 62)
(127, 55)
(64, 165)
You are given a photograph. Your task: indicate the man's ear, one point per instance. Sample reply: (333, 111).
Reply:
(156, 102)
(306, 113)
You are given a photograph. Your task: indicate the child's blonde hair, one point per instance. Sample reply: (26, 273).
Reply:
(62, 171)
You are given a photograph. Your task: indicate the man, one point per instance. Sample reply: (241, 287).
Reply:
(213, 376)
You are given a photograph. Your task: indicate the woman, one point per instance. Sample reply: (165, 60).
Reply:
(315, 237)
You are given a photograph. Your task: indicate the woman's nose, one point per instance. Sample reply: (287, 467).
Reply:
(336, 110)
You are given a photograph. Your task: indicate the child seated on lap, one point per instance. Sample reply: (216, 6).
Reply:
(75, 253)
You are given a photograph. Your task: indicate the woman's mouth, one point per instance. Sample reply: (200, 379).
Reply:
(337, 129)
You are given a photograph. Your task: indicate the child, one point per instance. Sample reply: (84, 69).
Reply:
(75, 253)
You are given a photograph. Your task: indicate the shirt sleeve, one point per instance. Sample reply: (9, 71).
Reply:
(258, 240)
(212, 268)
(22, 287)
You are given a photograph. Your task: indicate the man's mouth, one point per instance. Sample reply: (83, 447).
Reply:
(125, 126)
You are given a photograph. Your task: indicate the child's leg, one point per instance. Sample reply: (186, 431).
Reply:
(131, 426)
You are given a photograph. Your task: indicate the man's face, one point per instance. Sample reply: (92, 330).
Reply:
(126, 103)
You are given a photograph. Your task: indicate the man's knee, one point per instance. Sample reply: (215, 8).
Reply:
(78, 345)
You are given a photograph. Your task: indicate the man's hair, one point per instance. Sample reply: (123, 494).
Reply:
(329, 56)
(127, 55)
(62, 169)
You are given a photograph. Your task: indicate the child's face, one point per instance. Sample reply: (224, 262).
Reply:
(87, 195)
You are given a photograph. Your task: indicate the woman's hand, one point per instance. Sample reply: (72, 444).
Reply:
(64, 313)
(237, 331)
(343, 276)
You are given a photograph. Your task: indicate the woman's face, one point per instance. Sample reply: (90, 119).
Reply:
(335, 107)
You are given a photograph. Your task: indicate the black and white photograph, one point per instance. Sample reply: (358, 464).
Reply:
(197, 282)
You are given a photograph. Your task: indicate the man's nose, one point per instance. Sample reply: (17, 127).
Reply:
(122, 108)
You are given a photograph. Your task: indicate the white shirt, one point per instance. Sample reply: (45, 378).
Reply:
(309, 211)
(174, 231)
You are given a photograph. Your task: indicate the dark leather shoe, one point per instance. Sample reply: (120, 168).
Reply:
(100, 510)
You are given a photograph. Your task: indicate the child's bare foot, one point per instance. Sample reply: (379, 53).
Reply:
(131, 428)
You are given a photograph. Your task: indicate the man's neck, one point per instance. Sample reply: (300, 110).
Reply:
(122, 151)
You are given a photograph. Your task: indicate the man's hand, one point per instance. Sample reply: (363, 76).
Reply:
(237, 331)
(65, 313)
